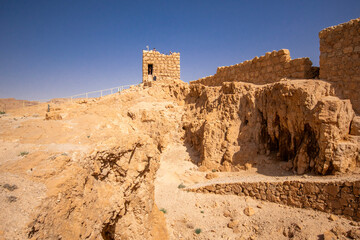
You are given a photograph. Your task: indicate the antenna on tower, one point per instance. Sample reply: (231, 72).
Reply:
(147, 47)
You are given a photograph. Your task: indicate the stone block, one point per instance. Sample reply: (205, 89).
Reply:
(284, 52)
(210, 188)
(355, 126)
(249, 211)
(348, 49)
(310, 188)
(332, 189)
(348, 211)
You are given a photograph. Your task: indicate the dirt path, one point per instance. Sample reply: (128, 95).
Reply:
(222, 216)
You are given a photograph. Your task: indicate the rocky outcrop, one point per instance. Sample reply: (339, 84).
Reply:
(113, 188)
(299, 120)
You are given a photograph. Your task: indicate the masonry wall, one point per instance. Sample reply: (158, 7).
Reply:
(338, 197)
(165, 67)
(340, 59)
(261, 70)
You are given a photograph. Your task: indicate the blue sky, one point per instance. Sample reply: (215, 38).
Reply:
(56, 48)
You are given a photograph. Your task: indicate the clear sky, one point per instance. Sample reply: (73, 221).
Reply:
(57, 48)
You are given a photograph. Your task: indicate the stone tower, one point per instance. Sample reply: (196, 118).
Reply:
(160, 67)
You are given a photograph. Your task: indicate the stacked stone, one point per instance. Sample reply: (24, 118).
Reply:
(338, 197)
(165, 67)
(261, 70)
(340, 59)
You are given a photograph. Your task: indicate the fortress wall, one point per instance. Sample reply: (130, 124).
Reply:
(261, 70)
(340, 59)
(338, 197)
(165, 67)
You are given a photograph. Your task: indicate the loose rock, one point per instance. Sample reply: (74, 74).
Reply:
(249, 211)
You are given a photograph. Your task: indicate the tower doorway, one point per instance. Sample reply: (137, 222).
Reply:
(150, 69)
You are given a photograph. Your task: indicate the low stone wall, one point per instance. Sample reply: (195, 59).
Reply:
(261, 70)
(340, 59)
(337, 197)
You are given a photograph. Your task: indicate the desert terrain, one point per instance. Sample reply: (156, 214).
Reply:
(121, 167)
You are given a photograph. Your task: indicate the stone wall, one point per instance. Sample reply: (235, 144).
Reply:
(261, 70)
(337, 197)
(165, 67)
(340, 59)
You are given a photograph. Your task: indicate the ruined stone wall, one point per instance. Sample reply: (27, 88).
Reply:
(261, 70)
(340, 59)
(338, 197)
(165, 67)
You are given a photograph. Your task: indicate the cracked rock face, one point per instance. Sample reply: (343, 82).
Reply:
(112, 187)
(299, 120)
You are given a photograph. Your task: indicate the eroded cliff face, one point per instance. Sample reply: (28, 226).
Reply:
(299, 120)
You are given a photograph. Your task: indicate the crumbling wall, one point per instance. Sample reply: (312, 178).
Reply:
(261, 70)
(338, 197)
(165, 67)
(340, 59)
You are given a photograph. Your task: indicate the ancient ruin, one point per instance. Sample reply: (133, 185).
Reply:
(157, 66)
(264, 149)
(261, 70)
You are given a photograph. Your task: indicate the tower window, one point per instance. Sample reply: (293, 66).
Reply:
(150, 69)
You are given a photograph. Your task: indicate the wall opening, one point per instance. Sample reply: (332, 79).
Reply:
(150, 69)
